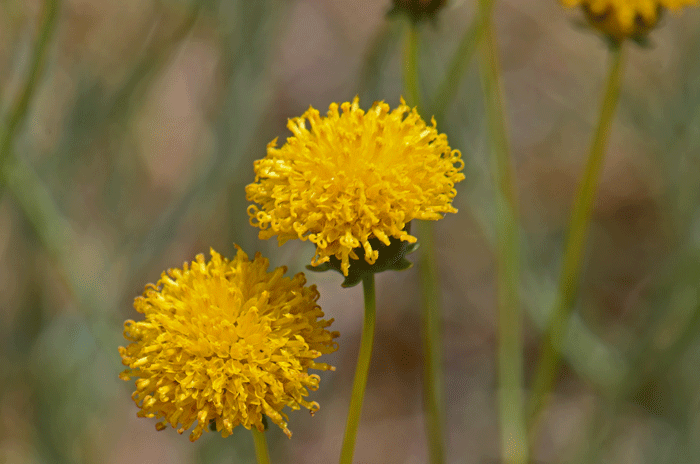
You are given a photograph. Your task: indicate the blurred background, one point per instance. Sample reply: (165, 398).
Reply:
(139, 138)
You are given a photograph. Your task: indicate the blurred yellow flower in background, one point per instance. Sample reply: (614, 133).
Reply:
(225, 341)
(622, 19)
(346, 178)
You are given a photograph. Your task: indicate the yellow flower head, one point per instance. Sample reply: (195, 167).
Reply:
(622, 19)
(225, 341)
(349, 177)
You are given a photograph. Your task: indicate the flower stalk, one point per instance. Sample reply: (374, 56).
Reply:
(361, 371)
(260, 440)
(411, 74)
(433, 375)
(458, 64)
(433, 371)
(569, 279)
(514, 445)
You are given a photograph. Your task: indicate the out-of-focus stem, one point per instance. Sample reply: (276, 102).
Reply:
(410, 75)
(433, 376)
(433, 372)
(572, 261)
(511, 411)
(461, 58)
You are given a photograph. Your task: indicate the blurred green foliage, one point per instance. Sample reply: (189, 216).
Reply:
(108, 181)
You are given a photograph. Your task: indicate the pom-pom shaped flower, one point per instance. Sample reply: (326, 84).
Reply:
(224, 342)
(621, 19)
(346, 178)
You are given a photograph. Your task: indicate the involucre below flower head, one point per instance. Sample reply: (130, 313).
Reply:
(418, 9)
(621, 19)
(225, 341)
(346, 178)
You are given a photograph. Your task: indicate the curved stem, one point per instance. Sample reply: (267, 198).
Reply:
(511, 411)
(361, 371)
(582, 210)
(261, 453)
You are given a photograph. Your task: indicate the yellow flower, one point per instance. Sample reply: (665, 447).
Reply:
(622, 19)
(225, 341)
(349, 177)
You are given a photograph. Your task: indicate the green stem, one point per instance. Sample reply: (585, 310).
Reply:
(361, 371)
(582, 210)
(261, 453)
(371, 69)
(20, 108)
(461, 58)
(411, 68)
(433, 372)
(433, 388)
(514, 446)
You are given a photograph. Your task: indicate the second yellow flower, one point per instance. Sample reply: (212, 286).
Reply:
(343, 179)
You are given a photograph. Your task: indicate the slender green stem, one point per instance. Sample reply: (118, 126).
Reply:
(261, 453)
(433, 388)
(379, 46)
(361, 371)
(410, 74)
(433, 372)
(461, 58)
(582, 209)
(19, 110)
(514, 445)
